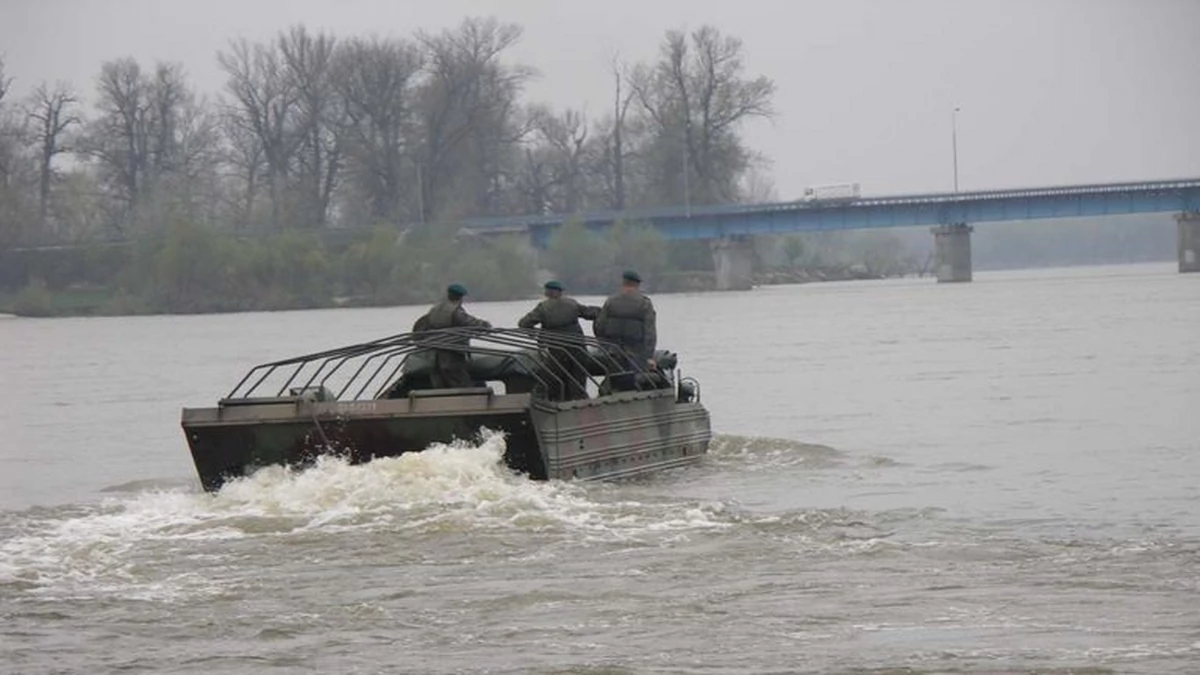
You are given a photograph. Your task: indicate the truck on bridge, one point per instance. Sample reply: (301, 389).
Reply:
(834, 193)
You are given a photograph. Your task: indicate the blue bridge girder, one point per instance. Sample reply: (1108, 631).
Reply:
(732, 220)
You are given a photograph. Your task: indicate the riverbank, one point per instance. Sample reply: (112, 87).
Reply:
(39, 301)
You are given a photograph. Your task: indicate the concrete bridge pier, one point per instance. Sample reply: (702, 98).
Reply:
(733, 261)
(1189, 241)
(952, 252)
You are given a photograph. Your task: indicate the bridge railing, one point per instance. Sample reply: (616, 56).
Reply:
(700, 212)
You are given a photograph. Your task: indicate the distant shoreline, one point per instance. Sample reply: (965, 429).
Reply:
(62, 302)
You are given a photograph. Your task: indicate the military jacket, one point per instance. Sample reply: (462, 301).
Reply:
(629, 320)
(560, 314)
(448, 314)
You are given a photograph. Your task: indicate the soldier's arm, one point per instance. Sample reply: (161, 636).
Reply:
(461, 318)
(533, 318)
(650, 328)
(601, 321)
(422, 324)
(589, 312)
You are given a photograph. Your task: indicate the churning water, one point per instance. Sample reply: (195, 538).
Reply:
(996, 477)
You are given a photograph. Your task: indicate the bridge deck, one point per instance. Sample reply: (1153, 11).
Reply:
(704, 222)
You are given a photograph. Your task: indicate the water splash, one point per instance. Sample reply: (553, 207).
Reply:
(171, 543)
(444, 490)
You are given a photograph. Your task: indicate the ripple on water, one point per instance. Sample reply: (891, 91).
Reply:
(752, 453)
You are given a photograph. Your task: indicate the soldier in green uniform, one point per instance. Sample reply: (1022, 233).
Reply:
(560, 314)
(628, 319)
(450, 366)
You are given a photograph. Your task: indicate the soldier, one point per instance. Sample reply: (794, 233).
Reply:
(449, 365)
(628, 319)
(560, 315)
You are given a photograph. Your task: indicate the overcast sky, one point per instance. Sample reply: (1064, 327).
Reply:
(1051, 91)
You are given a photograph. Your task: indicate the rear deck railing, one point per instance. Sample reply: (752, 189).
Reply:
(552, 360)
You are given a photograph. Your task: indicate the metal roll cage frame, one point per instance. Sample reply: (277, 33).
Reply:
(538, 352)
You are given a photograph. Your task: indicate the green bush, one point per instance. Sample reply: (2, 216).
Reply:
(639, 247)
(501, 270)
(581, 260)
(368, 268)
(195, 270)
(34, 300)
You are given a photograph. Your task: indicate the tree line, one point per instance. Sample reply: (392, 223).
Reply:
(190, 268)
(239, 198)
(314, 131)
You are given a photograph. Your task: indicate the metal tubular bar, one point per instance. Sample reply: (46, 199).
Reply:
(260, 381)
(536, 352)
(352, 354)
(550, 361)
(451, 341)
(387, 353)
(566, 344)
(387, 382)
(570, 343)
(390, 354)
(604, 350)
(299, 368)
(330, 352)
(241, 382)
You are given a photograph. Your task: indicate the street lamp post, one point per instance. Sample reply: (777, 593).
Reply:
(954, 143)
(687, 193)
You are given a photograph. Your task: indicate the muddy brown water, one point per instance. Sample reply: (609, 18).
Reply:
(908, 477)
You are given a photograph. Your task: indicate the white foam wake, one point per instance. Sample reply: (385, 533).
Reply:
(444, 489)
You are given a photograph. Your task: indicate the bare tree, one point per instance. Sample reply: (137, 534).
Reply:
(620, 110)
(119, 138)
(165, 94)
(52, 110)
(5, 81)
(265, 103)
(756, 184)
(152, 140)
(695, 97)
(376, 80)
(308, 60)
(13, 203)
(8, 132)
(196, 159)
(468, 115)
(244, 158)
(553, 178)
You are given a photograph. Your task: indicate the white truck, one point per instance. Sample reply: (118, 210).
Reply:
(831, 194)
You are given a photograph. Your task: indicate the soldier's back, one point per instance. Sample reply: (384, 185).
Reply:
(628, 305)
(561, 314)
(441, 315)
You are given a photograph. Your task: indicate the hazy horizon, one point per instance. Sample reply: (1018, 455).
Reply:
(1050, 92)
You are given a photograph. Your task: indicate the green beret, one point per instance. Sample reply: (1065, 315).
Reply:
(630, 275)
(457, 289)
(553, 285)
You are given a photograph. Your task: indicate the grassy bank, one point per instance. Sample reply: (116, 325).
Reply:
(189, 269)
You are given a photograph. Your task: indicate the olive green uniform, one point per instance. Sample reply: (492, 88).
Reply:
(629, 320)
(561, 315)
(449, 366)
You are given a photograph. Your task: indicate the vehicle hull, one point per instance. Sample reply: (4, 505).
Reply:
(613, 436)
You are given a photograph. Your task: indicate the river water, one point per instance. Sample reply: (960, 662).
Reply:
(908, 477)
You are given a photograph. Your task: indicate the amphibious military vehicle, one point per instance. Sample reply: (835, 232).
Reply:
(570, 407)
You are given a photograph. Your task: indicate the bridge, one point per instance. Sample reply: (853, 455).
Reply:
(950, 215)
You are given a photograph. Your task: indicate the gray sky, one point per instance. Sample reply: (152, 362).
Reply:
(1051, 91)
